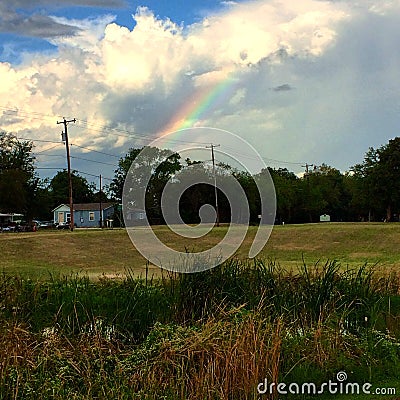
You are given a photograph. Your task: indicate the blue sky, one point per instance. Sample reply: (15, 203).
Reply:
(15, 43)
(309, 81)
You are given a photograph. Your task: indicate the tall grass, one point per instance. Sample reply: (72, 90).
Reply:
(211, 335)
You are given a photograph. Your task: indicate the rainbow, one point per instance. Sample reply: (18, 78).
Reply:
(203, 101)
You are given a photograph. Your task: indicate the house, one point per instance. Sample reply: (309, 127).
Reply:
(85, 215)
(135, 216)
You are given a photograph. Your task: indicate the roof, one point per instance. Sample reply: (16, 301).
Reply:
(61, 205)
(88, 206)
(92, 206)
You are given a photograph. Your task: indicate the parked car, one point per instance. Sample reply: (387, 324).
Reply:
(21, 226)
(43, 224)
(47, 224)
(63, 225)
(6, 228)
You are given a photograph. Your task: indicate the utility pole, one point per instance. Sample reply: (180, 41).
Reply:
(212, 146)
(64, 136)
(101, 206)
(307, 166)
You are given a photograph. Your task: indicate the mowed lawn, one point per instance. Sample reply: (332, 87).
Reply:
(110, 252)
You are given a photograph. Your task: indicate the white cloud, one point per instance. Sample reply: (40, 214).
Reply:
(139, 79)
(89, 32)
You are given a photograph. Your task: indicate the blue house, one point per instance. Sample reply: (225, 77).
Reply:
(85, 215)
(135, 216)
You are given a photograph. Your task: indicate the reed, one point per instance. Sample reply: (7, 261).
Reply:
(212, 335)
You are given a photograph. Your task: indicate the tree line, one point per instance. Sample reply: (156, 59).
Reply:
(369, 191)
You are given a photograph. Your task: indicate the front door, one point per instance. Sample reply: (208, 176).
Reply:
(60, 217)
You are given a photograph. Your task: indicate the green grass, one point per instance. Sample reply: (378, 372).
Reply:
(213, 335)
(110, 252)
(69, 330)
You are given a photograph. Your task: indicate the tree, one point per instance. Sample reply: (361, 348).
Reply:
(18, 181)
(324, 192)
(286, 188)
(124, 163)
(82, 190)
(159, 164)
(381, 174)
(250, 188)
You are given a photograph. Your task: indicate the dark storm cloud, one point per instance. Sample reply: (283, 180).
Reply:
(282, 88)
(27, 4)
(16, 17)
(36, 25)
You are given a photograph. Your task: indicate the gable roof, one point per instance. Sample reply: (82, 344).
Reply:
(92, 206)
(87, 206)
(61, 205)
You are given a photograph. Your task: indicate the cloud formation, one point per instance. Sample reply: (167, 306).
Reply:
(282, 88)
(143, 79)
(13, 20)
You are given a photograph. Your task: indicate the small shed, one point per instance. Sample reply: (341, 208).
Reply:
(324, 218)
(86, 215)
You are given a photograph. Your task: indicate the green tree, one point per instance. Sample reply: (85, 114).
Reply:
(324, 191)
(380, 172)
(159, 164)
(82, 190)
(249, 186)
(18, 180)
(287, 189)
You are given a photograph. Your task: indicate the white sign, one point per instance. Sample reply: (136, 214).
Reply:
(325, 218)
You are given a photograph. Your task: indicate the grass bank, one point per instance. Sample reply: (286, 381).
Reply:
(214, 335)
(110, 252)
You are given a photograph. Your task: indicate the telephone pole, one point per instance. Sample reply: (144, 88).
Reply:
(64, 136)
(212, 146)
(307, 166)
(101, 206)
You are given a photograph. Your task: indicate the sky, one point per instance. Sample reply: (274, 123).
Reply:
(304, 81)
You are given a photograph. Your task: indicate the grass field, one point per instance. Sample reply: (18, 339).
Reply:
(213, 335)
(110, 252)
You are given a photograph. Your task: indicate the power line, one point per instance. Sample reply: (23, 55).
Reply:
(50, 148)
(39, 140)
(262, 157)
(94, 161)
(52, 168)
(128, 134)
(96, 127)
(75, 170)
(227, 147)
(49, 155)
(84, 124)
(29, 113)
(95, 151)
(96, 176)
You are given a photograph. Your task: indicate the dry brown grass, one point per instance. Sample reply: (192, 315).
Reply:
(224, 359)
(110, 251)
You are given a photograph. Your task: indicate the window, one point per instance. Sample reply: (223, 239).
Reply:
(68, 217)
(91, 216)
